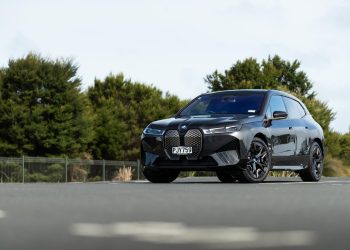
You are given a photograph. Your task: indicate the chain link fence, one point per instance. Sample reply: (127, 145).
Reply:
(41, 169)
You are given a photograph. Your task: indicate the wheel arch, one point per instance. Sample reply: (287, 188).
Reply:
(246, 139)
(318, 140)
(259, 135)
(262, 137)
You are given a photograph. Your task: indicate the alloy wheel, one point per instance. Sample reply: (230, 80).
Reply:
(317, 161)
(258, 160)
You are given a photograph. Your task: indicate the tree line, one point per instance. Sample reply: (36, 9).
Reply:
(44, 111)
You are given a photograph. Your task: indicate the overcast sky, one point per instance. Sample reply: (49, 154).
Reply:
(175, 44)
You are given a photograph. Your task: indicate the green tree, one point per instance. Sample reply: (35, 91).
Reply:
(42, 110)
(123, 108)
(320, 111)
(271, 73)
(345, 148)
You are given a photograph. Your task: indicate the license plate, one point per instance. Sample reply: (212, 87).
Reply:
(182, 150)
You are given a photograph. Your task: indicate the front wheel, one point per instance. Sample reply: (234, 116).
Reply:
(313, 172)
(160, 175)
(258, 164)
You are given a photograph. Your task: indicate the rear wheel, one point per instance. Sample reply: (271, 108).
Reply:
(160, 175)
(258, 164)
(313, 172)
(226, 177)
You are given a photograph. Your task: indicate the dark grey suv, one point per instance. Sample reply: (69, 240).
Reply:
(240, 134)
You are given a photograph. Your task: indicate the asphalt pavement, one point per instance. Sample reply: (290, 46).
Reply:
(191, 213)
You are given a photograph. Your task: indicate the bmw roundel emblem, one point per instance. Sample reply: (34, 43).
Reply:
(183, 127)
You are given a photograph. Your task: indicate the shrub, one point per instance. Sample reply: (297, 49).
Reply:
(335, 167)
(123, 174)
(78, 174)
(10, 172)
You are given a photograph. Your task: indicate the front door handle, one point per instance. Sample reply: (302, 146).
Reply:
(290, 128)
(306, 127)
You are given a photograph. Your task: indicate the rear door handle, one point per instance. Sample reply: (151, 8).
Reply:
(290, 127)
(306, 127)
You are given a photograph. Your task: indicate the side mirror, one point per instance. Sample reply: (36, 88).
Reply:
(279, 115)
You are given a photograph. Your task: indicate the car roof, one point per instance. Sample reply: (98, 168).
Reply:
(268, 91)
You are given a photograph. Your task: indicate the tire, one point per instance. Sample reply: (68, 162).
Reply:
(313, 172)
(258, 164)
(160, 175)
(226, 177)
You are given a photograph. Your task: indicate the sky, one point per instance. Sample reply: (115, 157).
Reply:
(175, 44)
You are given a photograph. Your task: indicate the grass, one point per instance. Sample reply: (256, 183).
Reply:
(196, 173)
(335, 167)
(123, 174)
(283, 174)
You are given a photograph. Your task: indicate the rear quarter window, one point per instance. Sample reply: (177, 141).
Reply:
(294, 108)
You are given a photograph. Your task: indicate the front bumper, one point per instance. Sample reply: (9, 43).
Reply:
(216, 152)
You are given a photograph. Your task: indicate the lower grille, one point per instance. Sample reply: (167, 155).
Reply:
(171, 139)
(193, 138)
(202, 163)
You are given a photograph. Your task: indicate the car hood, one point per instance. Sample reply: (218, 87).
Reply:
(203, 122)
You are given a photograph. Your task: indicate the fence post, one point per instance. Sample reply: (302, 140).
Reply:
(22, 168)
(103, 170)
(66, 168)
(138, 169)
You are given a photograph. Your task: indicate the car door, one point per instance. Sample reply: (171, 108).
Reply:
(282, 134)
(295, 113)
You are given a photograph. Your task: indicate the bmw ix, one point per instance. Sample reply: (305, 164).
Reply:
(239, 134)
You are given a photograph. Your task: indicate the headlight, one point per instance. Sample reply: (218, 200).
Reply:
(221, 130)
(153, 131)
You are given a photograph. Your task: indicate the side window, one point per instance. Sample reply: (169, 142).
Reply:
(292, 108)
(295, 110)
(276, 104)
(301, 109)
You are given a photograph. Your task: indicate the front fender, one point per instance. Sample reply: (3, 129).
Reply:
(248, 132)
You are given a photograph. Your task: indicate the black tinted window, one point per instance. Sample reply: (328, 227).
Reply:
(276, 104)
(237, 103)
(294, 109)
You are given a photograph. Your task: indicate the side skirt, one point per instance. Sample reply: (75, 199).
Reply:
(287, 168)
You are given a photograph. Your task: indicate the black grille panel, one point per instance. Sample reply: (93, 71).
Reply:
(193, 138)
(171, 139)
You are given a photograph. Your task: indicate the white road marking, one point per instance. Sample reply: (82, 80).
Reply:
(2, 214)
(212, 237)
(333, 182)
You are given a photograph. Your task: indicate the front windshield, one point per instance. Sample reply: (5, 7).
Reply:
(225, 104)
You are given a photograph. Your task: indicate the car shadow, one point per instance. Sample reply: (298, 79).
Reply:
(214, 180)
